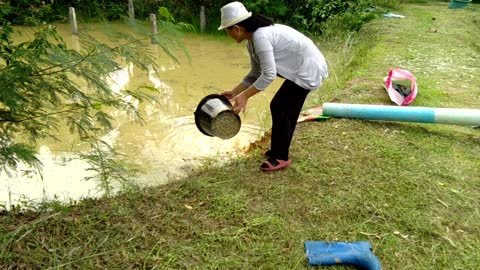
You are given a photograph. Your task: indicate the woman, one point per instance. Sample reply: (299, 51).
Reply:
(275, 50)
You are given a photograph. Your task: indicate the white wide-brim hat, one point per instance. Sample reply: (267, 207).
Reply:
(232, 14)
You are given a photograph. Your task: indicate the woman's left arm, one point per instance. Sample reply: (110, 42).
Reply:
(240, 101)
(266, 57)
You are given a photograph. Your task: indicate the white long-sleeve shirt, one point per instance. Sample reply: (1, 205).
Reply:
(280, 49)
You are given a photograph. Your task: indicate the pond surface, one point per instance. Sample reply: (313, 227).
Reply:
(168, 144)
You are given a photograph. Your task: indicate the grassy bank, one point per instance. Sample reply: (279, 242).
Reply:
(412, 190)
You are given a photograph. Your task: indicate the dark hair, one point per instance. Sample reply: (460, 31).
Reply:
(255, 21)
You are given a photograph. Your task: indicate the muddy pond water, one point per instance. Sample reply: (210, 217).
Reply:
(168, 145)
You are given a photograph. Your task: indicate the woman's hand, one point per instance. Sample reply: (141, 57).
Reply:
(240, 103)
(230, 94)
(239, 96)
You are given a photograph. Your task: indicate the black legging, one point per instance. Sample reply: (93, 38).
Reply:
(285, 108)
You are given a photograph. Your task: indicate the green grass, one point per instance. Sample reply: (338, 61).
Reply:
(412, 190)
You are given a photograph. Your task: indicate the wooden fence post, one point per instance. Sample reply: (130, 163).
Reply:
(73, 20)
(202, 19)
(153, 26)
(131, 12)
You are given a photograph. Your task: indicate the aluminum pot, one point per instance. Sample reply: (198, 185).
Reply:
(214, 117)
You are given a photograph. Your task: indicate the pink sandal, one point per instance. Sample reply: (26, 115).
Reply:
(281, 165)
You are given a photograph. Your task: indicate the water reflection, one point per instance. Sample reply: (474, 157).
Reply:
(62, 180)
(168, 144)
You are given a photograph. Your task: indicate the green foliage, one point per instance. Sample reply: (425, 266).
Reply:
(339, 27)
(186, 27)
(165, 15)
(388, 4)
(104, 160)
(315, 13)
(27, 12)
(94, 10)
(11, 154)
(45, 86)
(306, 15)
(5, 9)
(275, 9)
(165, 20)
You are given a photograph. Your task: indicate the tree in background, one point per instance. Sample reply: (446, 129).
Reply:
(306, 15)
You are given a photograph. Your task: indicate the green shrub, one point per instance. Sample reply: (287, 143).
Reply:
(316, 14)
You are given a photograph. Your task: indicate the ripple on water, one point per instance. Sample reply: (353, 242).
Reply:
(184, 148)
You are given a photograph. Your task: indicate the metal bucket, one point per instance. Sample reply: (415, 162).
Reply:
(215, 117)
